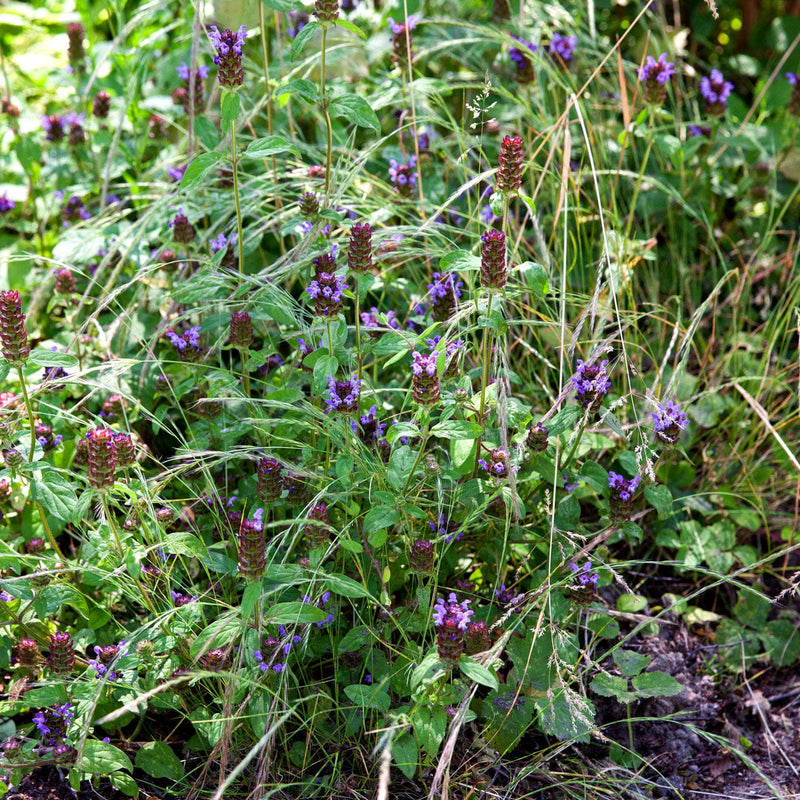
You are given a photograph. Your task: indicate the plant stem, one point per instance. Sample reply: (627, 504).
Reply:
(235, 162)
(358, 331)
(324, 104)
(110, 520)
(419, 455)
(29, 410)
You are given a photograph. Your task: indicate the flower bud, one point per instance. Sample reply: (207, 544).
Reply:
(509, 171)
(241, 330)
(101, 465)
(13, 336)
(61, 660)
(494, 269)
(269, 480)
(359, 251)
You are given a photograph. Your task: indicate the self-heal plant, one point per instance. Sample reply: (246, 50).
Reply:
(229, 55)
(668, 421)
(623, 492)
(562, 47)
(655, 76)
(715, 91)
(522, 56)
(451, 619)
(343, 396)
(591, 384)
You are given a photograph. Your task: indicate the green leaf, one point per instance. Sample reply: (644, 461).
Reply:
(324, 367)
(457, 429)
(404, 753)
(355, 639)
(566, 715)
(283, 5)
(630, 662)
(459, 261)
(782, 641)
(55, 493)
(229, 107)
(100, 758)
(125, 783)
(478, 673)
(401, 462)
(206, 132)
(288, 613)
(381, 517)
(656, 684)
(198, 169)
(535, 277)
(566, 419)
(344, 586)
(269, 146)
(306, 89)
(368, 696)
(568, 513)
(355, 109)
(752, 608)
(158, 760)
(347, 25)
(613, 686)
(408, 429)
(250, 598)
(48, 358)
(631, 603)
(300, 40)
(660, 497)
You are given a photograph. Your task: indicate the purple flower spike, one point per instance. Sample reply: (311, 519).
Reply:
(655, 77)
(562, 47)
(669, 421)
(623, 492)
(715, 91)
(451, 619)
(343, 396)
(229, 55)
(591, 384)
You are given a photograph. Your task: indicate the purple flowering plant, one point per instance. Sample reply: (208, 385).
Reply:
(353, 485)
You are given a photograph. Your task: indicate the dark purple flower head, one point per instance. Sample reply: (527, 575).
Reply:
(53, 126)
(52, 722)
(446, 529)
(399, 27)
(402, 44)
(73, 210)
(187, 344)
(562, 46)
(507, 596)
(621, 487)
(452, 614)
(569, 487)
(793, 78)
(654, 77)
(583, 576)
(6, 205)
(699, 130)
(522, 56)
(715, 91)
(106, 656)
(229, 55)
(403, 176)
(328, 293)
(591, 384)
(183, 71)
(669, 421)
(343, 396)
(297, 21)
